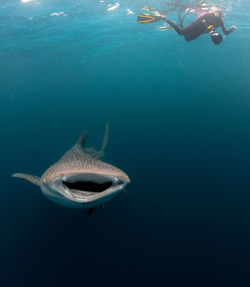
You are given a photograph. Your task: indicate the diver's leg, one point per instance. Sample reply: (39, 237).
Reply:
(190, 37)
(190, 32)
(174, 26)
(193, 31)
(181, 19)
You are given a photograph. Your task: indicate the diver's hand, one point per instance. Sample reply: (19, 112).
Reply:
(233, 28)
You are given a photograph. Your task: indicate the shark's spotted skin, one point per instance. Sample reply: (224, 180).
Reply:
(79, 178)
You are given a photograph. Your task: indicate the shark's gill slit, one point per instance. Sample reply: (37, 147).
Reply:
(88, 186)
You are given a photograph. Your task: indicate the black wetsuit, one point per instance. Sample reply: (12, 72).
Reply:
(199, 26)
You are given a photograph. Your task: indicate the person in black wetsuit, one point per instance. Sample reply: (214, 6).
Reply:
(205, 23)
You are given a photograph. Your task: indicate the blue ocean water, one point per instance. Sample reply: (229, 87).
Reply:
(179, 117)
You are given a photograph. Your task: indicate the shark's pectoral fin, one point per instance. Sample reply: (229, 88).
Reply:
(91, 210)
(31, 178)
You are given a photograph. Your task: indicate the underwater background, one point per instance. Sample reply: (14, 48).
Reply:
(179, 117)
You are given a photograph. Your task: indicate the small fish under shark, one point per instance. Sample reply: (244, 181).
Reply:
(79, 178)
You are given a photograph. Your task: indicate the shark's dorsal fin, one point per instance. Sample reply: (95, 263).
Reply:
(31, 178)
(82, 140)
(78, 150)
(99, 153)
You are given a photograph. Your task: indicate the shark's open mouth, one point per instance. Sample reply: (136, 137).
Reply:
(89, 186)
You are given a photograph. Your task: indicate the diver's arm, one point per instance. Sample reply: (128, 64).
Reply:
(227, 31)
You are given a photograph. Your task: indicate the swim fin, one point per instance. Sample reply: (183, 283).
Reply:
(146, 18)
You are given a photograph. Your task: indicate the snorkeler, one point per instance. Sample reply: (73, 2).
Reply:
(205, 23)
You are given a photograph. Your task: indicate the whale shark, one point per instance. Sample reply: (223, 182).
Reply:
(80, 178)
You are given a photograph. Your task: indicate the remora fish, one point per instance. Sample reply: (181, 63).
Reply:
(79, 179)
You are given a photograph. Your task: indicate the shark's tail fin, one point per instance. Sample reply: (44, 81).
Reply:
(31, 178)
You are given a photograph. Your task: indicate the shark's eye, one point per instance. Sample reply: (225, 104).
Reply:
(88, 185)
